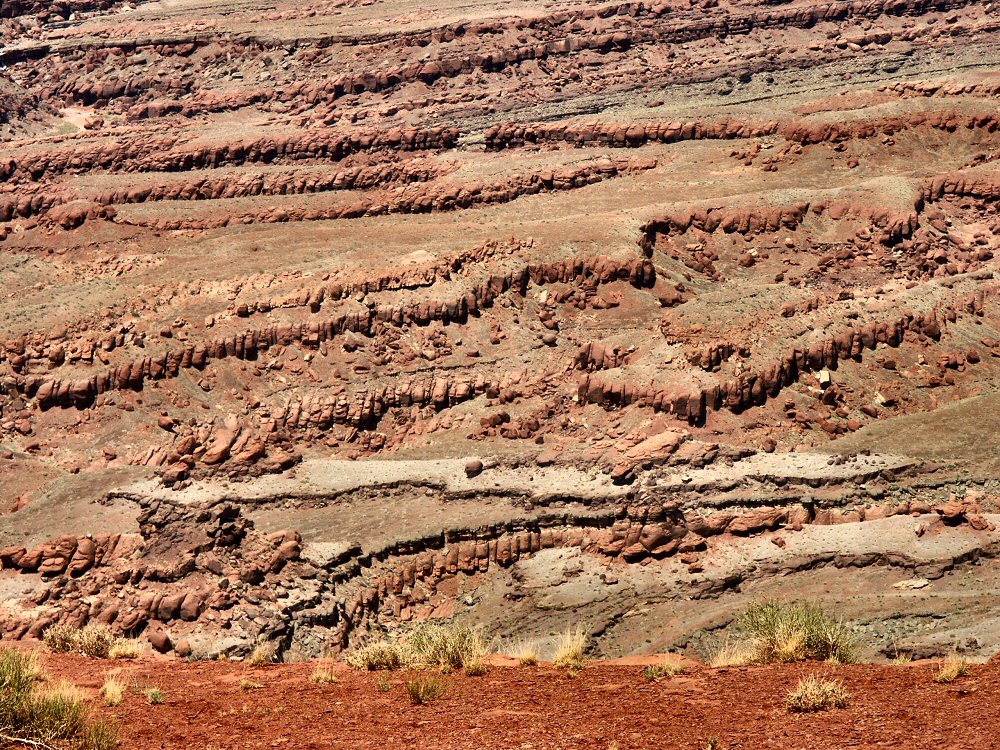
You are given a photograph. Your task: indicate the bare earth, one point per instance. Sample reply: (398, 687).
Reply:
(320, 320)
(604, 706)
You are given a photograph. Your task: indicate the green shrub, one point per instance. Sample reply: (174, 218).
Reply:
(56, 717)
(776, 633)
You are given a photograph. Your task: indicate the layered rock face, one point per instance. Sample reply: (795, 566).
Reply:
(625, 241)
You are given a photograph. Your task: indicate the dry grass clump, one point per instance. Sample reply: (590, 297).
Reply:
(55, 716)
(322, 675)
(526, 653)
(60, 639)
(247, 684)
(424, 690)
(113, 691)
(952, 669)
(669, 667)
(94, 640)
(262, 655)
(447, 647)
(154, 696)
(778, 633)
(814, 693)
(570, 648)
(125, 648)
(377, 655)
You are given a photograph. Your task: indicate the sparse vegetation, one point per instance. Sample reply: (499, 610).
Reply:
(424, 689)
(380, 654)
(94, 640)
(777, 633)
(125, 648)
(55, 716)
(526, 653)
(323, 675)
(815, 693)
(475, 668)
(383, 683)
(570, 648)
(447, 647)
(154, 696)
(61, 638)
(669, 667)
(263, 654)
(113, 691)
(952, 669)
(247, 684)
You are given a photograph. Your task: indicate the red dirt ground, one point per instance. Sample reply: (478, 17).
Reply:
(607, 705)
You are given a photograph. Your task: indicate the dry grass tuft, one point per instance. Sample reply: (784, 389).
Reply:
(56, 716)
(424, 690)
(125, 648)
(571, 647)
(814, 693)
(94, 640)
(669, 667)
(778, 633)
(262, 655)
(377, 655)
(247, 684)
(323, 675)
(952, 669)
(113, 691)
(154, 696)
(447, 647)
(526, 653)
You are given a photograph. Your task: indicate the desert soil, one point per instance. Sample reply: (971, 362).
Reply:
(606, 705)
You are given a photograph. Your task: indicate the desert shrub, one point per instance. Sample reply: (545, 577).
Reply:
(94, 640)
(448, 647)
(570, 648)
(423, 690)
(247, 684)
(445, 646)
(125, 648)
(734, 653)
(56, 716)
(775, 632)
(380, 654)
(814, 693)
(263, 654)
(154, 696)
(60, 639)
(952, 669)
(526, 653)
(113, 691)
(669, 667)
(322, 675)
